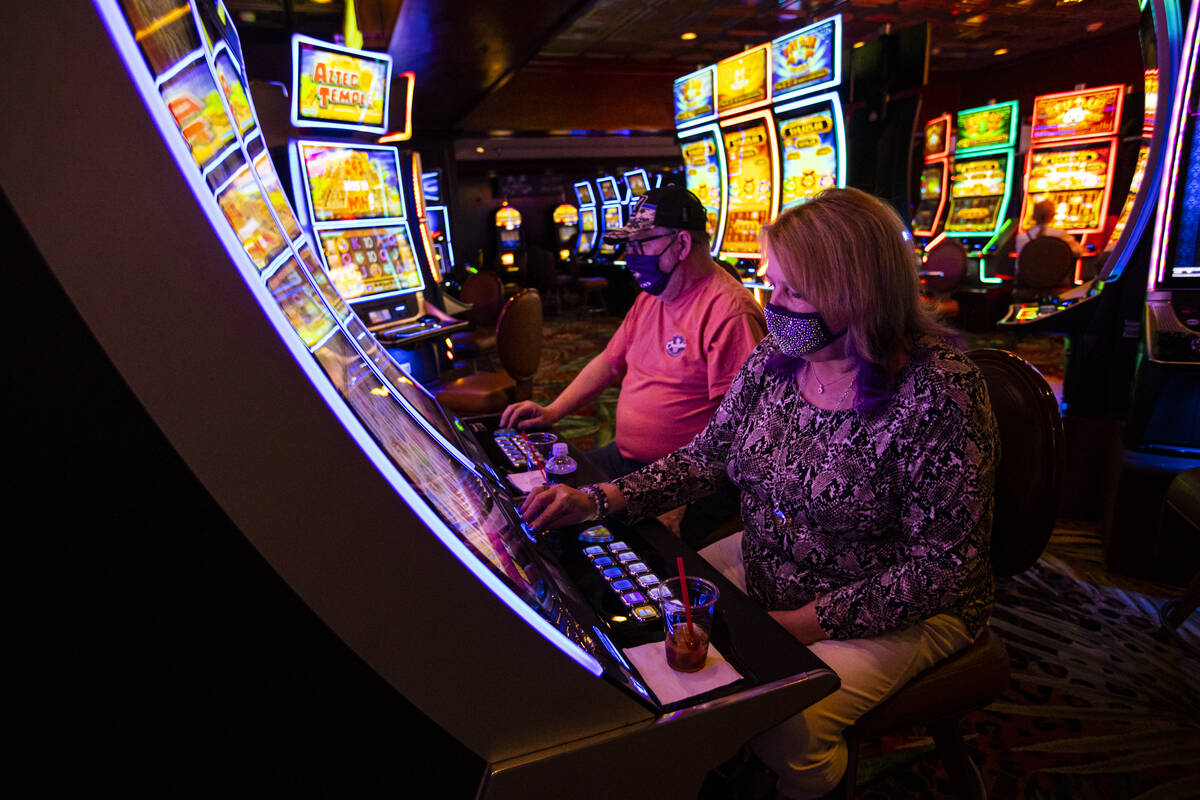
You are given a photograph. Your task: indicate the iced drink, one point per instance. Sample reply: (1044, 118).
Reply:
(687, 652)
(686, 645)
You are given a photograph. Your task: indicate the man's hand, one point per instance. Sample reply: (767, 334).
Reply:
(527, 414)
(556, 507)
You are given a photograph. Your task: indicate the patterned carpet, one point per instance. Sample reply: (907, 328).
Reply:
(1103, 702)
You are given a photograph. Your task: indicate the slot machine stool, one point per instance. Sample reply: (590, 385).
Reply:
(941, 274)
(1044, 268)
(519, 347)
(1029, 478)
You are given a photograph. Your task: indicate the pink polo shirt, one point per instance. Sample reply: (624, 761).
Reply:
(678, 359)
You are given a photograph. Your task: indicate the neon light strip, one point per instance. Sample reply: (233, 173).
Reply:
(127, 49)
(445, 215)
(773, 146)
(935, 242)
(179, 66)
(1184, 86)
(405, 133)
(162, 22)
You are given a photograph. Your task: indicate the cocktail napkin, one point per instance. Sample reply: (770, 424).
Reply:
(524, 482)
(670, 686)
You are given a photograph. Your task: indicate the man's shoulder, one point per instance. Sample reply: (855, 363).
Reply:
(726, 296)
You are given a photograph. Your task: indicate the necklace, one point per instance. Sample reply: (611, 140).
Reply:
(820, 384)
(821, 387)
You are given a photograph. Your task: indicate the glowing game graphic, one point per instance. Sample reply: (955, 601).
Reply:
(1091, 112)
(195, 103)
(317, 272)
(933, 188)
(265, 171)
(348, 183)
(248, 213)
(742, 79)
(978, 189)
(748, 160)
(339, 85)
(702, 177)
(987, 126)
(694, 98)
(806, 60)
(300, 303)
(365, 262)
(1075, 179)
(234, 90)
(808, 155)
(937, 137)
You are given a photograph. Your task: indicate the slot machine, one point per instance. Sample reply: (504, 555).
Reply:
(361, 203)
(565, 223)
(437, 220)
(981, 187)
(359, 494)
(612, 216)
(699, 141)
(637, 183)
(1070, 162)
(508, 241)
(927, 218)
(589, 222)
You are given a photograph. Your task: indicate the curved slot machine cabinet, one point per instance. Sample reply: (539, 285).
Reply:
(355, 490)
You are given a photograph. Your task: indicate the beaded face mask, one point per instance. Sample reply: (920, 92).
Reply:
(798, 333)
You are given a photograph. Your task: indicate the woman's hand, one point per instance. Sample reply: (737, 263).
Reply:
(556, 507)
(801, 623)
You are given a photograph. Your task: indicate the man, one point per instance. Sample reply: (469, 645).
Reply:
(1043, 213)
(677, 349)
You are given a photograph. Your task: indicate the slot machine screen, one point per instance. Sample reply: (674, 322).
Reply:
(510, 237)
(612, 219)
(608, 190)
(583, 193)
(978, 189)
(358, 182)
(702, 176)
(1089, 112)
(933, 181)
(1076, 179)
(808, 151)
(748, 161)
(339, 87)
(587, 224)
(250, 216)
(694, 97)
(371, 262)
(991, 126)
(637, 184)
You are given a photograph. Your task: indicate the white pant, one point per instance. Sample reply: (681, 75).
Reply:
(808, 751)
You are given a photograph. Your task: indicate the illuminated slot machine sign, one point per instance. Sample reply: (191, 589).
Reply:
(934, 177)
(437, 220)
(588, 225)
(638, 183)
(610, 210)
(566, 228)
(508, 234)
(339, 87)
(810, 131)
(981, 176)
(356, 208)
(1071, 157)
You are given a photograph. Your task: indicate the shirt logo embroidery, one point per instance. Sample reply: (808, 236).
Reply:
(676, 345)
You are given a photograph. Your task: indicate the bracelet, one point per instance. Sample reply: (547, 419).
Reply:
(599, 499)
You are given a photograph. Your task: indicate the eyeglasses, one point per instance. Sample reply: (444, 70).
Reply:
(635, 245)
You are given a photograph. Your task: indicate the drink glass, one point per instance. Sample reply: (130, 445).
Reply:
(541, 444)
(687, 647)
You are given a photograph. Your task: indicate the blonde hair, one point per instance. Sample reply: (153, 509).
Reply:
(846, 252)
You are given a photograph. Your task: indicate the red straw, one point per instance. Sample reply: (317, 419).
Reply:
(687, 606)
(541, 465)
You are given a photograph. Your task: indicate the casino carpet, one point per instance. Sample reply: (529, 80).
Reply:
(1103, 703)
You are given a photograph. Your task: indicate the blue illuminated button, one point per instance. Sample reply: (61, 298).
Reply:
(618, 546)
(648, 580)
(594, 550)
(602, 561)
(612, 573)
(637, 568)
(622, 585)
(627, 556)
(646, 613)
(632, 599)
(596, 533)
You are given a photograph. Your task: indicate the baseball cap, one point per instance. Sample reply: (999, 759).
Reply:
(666, 207)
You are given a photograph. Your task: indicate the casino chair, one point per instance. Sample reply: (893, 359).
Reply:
(484, 293)
(941, 274)
(1045, 267)
(1029, 477)
(519, 347)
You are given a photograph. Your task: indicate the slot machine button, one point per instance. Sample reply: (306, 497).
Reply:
(623, 585)
(632, 599)
(618, 546)
(594, 550)
(646, 613)
(636, 568)
(613, 573)
(648, 580)
(602, 562)
(627, 556)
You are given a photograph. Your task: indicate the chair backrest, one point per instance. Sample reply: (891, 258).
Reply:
(519, 335)
(485, 292)
(950, 259)
(1045, 263)
(1029, 473)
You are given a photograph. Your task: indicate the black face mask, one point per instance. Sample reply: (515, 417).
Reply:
(646, 271)
(798, 333)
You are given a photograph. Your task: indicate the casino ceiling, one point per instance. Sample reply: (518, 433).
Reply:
(465, 52)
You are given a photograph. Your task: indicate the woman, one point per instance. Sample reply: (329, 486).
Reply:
(864, 447)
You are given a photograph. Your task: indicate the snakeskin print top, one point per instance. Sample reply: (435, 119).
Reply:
(884, 517)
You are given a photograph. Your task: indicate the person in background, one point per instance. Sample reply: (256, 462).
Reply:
(676, 351)
(1043, 213)
(864, 448)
